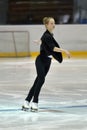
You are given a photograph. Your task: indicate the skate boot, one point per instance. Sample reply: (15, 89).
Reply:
(34, 107)
(25, 107)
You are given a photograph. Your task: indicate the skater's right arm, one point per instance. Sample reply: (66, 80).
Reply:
(38, 42)
(56, 49)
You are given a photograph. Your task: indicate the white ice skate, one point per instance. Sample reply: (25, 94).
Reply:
(26, 106)
(34, 107)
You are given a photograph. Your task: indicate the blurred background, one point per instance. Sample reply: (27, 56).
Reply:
(32, 11)
(27, 17)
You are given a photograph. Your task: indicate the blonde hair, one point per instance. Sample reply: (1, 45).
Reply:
(46, 20)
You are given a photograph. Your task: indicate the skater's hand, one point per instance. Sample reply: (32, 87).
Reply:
(68, 54)
(37, 41)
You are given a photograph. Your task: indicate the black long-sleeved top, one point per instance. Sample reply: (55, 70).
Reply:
(47, 46)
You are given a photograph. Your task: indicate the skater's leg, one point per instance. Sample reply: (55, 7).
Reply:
(42, 71)
(40, 82)
(31, 91)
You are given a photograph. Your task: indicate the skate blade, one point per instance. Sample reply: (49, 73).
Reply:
(34, 110)
(25, 109)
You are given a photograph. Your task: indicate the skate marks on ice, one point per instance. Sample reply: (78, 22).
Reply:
(10, 110)
(63, 109)
(45, 109)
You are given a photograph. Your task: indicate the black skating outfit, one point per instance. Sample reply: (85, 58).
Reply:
(43, 62)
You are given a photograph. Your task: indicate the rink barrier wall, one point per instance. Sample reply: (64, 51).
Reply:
(74, 54)
(70, 37)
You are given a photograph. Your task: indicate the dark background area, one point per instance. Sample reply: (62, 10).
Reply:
(32, 11)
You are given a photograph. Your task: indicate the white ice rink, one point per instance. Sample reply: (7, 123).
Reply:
(63, 99)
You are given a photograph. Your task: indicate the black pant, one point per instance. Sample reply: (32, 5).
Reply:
(42, 66)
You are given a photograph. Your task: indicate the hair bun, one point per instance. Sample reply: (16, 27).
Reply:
(46, 20)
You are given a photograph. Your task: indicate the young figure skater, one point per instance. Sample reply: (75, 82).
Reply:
(48, 48)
